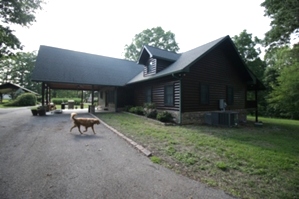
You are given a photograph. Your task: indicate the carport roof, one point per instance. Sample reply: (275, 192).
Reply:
(55, 65)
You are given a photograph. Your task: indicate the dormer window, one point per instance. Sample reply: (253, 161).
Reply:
(151, 66)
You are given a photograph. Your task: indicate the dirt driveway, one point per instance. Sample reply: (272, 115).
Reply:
(40, 158)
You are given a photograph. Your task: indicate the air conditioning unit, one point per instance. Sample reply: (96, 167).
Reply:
(228, 118)
(222, 118)
(208, 118)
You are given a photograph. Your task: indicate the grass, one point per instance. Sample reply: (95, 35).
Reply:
(245, 161)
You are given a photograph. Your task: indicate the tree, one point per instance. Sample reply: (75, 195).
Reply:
(285, 21)
(155, 37)
(284, 98)
(17, 69)
(19, 12)
(247, 47)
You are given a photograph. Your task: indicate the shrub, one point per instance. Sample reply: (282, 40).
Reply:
(164, 116)
(25, 99)
(149, 105)
(151, 113)
(127, 108)
(61, 100)
(136, 110)
(150, 110)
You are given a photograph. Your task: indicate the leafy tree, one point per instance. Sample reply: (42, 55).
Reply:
(249, 51)
(284, 98)
(285, 21)
(155, 37)
(19, 12)
(17, 69)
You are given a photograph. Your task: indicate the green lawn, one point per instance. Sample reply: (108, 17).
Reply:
(245, 161)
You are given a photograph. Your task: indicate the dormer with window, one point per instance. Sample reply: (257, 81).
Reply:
(150, 68)
(156, 60)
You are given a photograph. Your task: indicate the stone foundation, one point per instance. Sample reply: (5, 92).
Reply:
(198, 117)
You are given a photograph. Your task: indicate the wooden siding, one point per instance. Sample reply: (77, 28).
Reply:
(153, 69)
(124, 97)
(162, 64)
(157, 87)
(217, 71)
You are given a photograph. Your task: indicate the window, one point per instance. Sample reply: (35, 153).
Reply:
(229, 95)
(168, 95)
(148, 95)
(150, 66)
(204, 93)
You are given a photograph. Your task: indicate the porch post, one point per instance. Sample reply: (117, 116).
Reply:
(92, 95)
(82, 104)
(115, 99)
(43, 93)
(47, 95)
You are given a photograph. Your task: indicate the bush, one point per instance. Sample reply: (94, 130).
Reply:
(127, 108)
(151, 113)
(149, 105)
(150, 110)
(164, 116)
(136, 110)
(25, 99)
(61, 100)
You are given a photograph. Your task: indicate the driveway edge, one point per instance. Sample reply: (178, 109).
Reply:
(134, 144)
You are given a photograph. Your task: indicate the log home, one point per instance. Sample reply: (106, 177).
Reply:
(194, 86)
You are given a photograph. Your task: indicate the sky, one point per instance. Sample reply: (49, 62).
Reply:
(104, 27)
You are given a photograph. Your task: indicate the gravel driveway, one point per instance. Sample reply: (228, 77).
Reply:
(40, 158)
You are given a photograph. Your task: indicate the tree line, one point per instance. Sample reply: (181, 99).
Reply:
(278, 69)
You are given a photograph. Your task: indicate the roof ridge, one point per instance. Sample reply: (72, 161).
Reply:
(146, 45)
(74, 51)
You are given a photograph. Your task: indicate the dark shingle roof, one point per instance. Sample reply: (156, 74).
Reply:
(66, 66)
(184, 61)
(163, 54)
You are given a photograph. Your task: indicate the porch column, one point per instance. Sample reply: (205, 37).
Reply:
(92, 95)
(43, 93)
(47, 95)
(82, 104)
(115, 99)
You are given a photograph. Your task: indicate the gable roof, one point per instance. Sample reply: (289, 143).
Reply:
(183, 63)
(72, 67)
(10, 87)
(157, 53)
(60, 66)
(187, 59)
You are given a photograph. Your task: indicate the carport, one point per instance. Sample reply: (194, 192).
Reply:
(64, 69)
